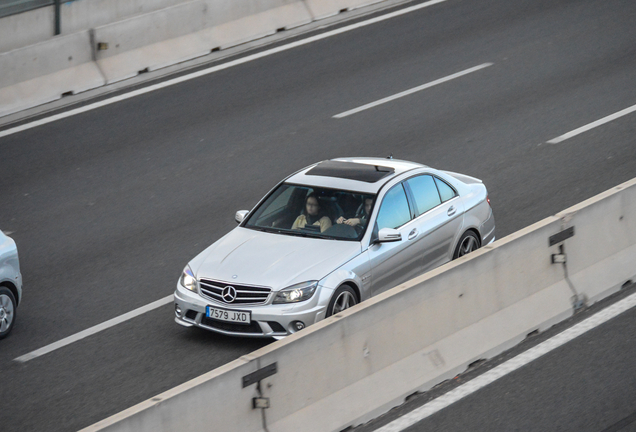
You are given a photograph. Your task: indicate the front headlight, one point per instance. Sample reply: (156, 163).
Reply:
(188, 281)
(296, 293)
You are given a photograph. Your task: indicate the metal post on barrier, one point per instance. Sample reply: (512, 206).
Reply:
(579, 301)
(260, 402)
(58, 25)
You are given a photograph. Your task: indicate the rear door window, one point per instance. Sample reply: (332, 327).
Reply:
(445, 191)
(424, 193)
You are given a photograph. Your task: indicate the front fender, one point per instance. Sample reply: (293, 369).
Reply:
(356, 272)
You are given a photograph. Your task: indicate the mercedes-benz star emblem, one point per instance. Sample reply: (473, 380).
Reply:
(229, 294)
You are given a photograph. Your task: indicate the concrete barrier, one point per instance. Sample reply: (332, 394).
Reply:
(151, 41)
(189, 30)
(324, 8)
(232, 22)
(175, 34)
(605, 251)
(43, 72)
(360, 363)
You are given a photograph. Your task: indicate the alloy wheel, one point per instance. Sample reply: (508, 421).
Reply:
(344, 301)
(469, 244)
(6, 313)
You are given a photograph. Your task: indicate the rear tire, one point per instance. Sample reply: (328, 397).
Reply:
(344, 298)
(7, 311)
(468, 243)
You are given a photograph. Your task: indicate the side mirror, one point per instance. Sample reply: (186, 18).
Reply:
(387, 235)
(240, 215)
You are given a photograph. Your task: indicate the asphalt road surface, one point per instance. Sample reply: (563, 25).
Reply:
(108, 206)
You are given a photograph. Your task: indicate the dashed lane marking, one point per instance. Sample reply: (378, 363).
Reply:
(593, 125)
(95, 329)
(413, 90)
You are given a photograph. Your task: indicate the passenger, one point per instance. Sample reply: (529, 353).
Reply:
(313, 214)
(362, 218)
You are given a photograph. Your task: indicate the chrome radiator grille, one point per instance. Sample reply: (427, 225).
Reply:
(234, 294)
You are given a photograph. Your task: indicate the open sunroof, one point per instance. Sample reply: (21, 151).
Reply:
(351, 171)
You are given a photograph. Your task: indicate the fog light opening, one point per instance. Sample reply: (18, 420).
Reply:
(297, 326)
(177, 310)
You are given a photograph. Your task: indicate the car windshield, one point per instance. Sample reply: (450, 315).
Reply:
(313, 212)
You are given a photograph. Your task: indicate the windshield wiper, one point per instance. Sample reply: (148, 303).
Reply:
(318, 236)
(278, 231)
(267, 229)
(298, 233)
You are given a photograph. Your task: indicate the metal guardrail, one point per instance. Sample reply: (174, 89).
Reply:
(12, 7)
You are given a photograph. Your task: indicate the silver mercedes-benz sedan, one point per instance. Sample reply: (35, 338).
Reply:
(328, 237)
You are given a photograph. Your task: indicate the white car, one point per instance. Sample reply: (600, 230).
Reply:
(10, 284)
(328, 237)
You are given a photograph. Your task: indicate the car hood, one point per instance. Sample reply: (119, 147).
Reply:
(250, 257)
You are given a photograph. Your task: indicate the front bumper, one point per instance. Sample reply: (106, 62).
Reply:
(268, 320)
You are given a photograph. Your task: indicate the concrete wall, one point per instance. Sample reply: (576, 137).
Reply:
(26, 28)
(38, 25)
(87, 14)
(354, 366)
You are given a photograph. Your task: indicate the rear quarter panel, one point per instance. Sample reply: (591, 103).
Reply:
(478, 214)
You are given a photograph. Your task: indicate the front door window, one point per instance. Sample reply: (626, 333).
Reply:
(394, 211)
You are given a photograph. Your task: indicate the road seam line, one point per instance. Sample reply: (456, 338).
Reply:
(216, 68)
(95, 329)
(413, 90)
(509, 366)
(593, 125)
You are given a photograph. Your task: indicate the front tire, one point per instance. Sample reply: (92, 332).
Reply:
(7, 311)
(344, 298)
(468, 243)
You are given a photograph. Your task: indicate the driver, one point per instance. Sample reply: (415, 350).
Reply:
(361, 218)
(313, 214)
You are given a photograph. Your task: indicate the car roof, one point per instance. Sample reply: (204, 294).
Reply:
(360, 174)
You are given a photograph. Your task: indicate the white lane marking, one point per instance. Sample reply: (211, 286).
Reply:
(592, 125)
(413, 90)
(511, 365)
(96, 329)
(217, 68)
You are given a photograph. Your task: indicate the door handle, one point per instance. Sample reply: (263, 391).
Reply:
(451, 210)
(413, 234)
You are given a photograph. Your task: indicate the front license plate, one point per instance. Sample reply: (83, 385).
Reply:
(239, 317)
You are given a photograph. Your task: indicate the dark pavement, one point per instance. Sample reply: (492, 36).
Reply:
(108, 206)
